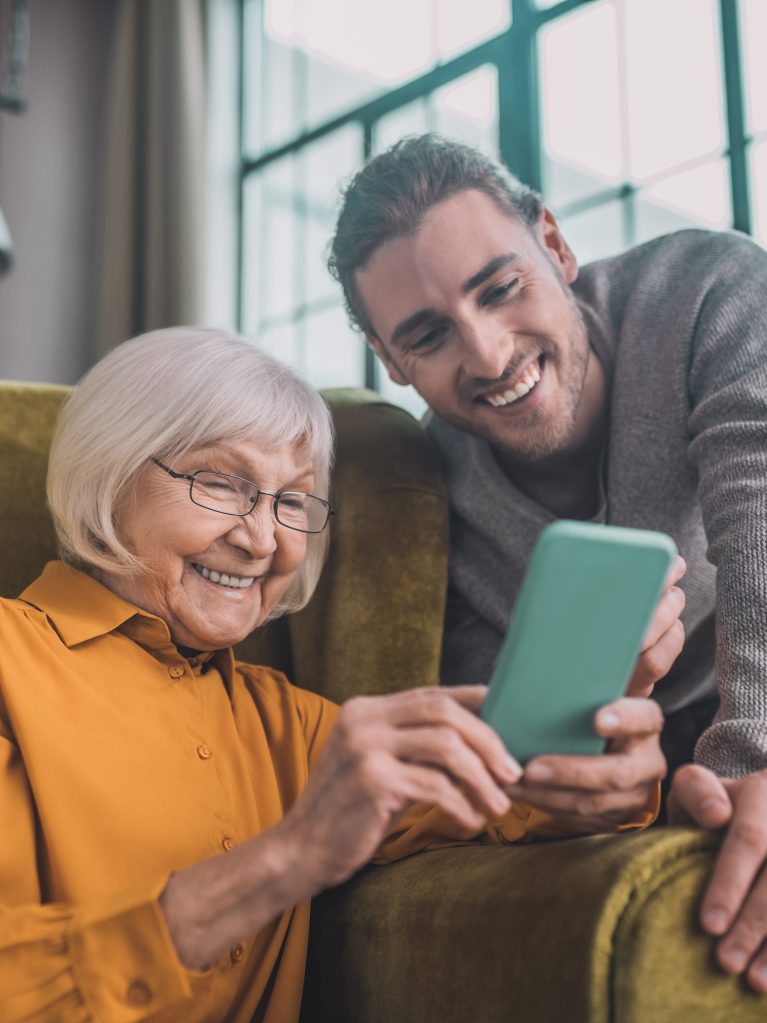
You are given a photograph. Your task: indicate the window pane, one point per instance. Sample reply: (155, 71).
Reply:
(408, 120)
(405, 397)
(271, 242)
(334, 355)
(329, 162)
(674, 76)
(307, 62)
(581, 117)
(596, 233)
(697, 198)
(753, 33)
(759, 179)
(282, 343)
(461, 26)
(467, 108)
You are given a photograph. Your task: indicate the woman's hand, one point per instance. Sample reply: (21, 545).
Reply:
(386, 753)
(590, 794)
(665, 637)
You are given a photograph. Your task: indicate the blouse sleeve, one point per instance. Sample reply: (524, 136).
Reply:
(110, 961)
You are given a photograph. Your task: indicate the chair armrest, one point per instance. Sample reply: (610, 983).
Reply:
(591, 930)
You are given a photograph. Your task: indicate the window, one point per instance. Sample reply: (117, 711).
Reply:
(634, 117)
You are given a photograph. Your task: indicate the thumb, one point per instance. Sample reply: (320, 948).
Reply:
(699, 797)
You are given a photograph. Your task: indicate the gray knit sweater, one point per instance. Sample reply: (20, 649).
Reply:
(680, 325)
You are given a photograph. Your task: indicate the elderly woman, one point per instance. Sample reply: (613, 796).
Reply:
(167, 813)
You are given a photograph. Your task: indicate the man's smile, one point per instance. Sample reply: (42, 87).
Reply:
(514, 389)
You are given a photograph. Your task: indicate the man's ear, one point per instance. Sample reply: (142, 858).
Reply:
(395, 373)
(555, 246)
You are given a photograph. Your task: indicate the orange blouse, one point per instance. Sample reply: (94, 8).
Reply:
(121, 762)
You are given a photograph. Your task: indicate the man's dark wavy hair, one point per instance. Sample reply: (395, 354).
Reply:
(391, 195)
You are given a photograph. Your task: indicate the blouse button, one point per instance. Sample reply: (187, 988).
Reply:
(138, 993)
(176, 670)
(237, 953)
(227, 843)
(203, 752)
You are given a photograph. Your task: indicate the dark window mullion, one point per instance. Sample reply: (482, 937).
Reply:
(736, 118)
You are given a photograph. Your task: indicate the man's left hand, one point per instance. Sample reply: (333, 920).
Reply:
(664, 639)
(734, 907)
(598, 793)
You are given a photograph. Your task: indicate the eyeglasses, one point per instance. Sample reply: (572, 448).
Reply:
(233, 495)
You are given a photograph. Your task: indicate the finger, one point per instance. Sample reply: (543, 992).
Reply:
(614, 807)
(740, 858)
(643, 764)
(698, 797)
(675, 573)
(431, 706)
(654, 664)
(736, 950)
(427, 785)
(443, 748)
(629, 718)
(757, 972)
(670, 607)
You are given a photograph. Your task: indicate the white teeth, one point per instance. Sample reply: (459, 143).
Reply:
(525, 385)
(222, 579)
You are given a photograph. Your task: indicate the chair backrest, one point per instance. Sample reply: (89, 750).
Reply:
(375, 623)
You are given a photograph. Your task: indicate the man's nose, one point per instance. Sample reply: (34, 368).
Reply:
(488, 348)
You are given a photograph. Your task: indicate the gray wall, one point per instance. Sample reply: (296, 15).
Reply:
(50, 169)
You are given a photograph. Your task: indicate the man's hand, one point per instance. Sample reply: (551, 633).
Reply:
(735, 904)
(598, 793)
(665, 637)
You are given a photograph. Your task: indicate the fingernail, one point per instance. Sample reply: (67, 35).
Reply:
(539, 772)
(513, 770)
(608, 719)
(715, 921)
(679, 562)
(735, 959)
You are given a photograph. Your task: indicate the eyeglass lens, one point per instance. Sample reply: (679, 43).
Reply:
(234, 496)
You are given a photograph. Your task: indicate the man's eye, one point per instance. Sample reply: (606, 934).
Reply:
(430, 340)
(499, 292)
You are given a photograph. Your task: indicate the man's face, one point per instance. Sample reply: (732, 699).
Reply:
(474, 310)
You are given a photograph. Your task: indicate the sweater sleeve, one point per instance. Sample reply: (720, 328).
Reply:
(728, 428)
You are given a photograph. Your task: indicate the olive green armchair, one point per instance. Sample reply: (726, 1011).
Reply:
(595, 929)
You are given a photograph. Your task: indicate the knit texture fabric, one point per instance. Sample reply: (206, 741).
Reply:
(680, 326)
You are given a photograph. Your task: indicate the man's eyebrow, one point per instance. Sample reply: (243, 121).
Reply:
(487, 271)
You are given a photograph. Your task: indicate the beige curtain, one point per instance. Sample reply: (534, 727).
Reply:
(154, 187)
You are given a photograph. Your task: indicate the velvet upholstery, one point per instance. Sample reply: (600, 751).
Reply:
(597, 929)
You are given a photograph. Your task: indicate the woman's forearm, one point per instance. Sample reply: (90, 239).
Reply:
(213, 905)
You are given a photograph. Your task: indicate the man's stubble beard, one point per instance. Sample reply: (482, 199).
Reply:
(541, 435)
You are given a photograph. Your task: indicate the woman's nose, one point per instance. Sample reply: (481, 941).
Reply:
(260, 526)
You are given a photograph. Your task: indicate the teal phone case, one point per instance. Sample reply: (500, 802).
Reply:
(575, 633)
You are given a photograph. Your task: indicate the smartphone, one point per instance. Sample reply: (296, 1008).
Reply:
(574, 636)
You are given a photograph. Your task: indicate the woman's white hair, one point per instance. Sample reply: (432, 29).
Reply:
(160, 395)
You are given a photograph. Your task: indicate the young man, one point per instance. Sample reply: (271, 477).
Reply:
(632, 392)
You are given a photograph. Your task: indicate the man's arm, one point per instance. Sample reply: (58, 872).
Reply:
(728, 426)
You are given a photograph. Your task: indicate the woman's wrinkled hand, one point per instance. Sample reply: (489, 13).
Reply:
(386, 753)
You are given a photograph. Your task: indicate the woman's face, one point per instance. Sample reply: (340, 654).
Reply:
(178, 541)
